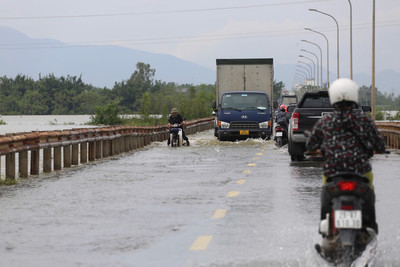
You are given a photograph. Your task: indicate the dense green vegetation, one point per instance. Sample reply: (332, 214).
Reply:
(139, 94)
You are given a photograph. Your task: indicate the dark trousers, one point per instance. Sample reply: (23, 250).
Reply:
(184, 135)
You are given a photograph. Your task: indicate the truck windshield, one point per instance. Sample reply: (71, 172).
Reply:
(243, 101)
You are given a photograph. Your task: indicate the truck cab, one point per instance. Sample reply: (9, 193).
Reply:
(242, 115)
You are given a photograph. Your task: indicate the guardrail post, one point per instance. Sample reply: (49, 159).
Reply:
(112, 147)
(35, 162)
(57, 158)
(10, 166)
(84, 150)
(67, 156)
(23, 163)
(135, 140)
(92, 151)
(106, 148)
(75, 154)
(47, 159)
(99, 153)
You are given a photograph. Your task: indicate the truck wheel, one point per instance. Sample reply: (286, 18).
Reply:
(216, 132)
(296, 151)
(222, 138)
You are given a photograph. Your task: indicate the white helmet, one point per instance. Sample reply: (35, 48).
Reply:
(343, 89)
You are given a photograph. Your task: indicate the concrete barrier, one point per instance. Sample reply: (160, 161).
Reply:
(63, 149)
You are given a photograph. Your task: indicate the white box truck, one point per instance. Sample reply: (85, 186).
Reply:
(244, 96)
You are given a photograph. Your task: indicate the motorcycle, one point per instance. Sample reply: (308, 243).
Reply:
(344, 229)
(281, 138)
(175, 136)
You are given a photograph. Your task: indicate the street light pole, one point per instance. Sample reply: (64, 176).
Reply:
(373, 62)
(304, 73)
(308, 65)
(317, 62)
(300, 77)
(312, 63)
(304, 69)
(320, 50)
(337, 26)
(327, 53)
(351, 40)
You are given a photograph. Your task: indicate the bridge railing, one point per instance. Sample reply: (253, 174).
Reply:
(391, 133)
(63, 149)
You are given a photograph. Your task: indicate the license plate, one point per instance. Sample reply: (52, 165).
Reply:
(348, 219)
(244, 132)
(279, 134)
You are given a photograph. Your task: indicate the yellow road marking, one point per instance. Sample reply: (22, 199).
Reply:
(256, 158)
(219, 214)
(201, 243)
(246, 172)
(233, 194)
(241, 181)
(262, 150)
(259, 154)
(251, 164)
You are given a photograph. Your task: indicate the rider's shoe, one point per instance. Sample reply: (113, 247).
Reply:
(187, 143)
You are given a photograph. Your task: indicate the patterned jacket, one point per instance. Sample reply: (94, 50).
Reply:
(343, 138)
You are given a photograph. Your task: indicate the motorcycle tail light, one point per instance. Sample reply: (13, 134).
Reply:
(347, 207)
(347, 185)
(279, 129)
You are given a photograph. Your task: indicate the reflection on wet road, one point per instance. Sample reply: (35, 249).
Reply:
(210, 204)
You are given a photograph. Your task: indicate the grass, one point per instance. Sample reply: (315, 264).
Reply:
(8, 181)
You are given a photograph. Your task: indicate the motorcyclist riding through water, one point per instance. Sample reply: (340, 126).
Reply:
(282, 116)
(347, 139)
(176, 118)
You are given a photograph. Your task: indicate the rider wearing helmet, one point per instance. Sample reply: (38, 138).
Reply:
(176, 118)
(346, 138)
(281, 116)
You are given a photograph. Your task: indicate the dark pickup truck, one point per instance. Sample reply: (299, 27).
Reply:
(312, 107)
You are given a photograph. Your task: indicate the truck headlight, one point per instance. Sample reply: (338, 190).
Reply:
(223, 125)
(264, 124)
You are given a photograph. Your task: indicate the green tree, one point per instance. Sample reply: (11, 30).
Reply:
(32, 104)
(278, 87)
(108, 115)
(141, 81)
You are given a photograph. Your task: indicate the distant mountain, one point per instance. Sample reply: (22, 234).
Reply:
(100, 66)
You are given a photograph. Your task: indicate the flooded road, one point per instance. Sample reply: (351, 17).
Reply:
(210, 204)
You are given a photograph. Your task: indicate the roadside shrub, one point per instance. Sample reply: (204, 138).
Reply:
(107, 115)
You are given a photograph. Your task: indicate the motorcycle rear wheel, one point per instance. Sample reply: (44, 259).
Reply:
(348, 256)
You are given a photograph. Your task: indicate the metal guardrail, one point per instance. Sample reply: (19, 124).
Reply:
(62, 149)
(391, 132)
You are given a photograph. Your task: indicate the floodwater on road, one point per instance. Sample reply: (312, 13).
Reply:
(244, 202)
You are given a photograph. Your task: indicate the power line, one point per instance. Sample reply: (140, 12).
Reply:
(183, 39)
(161, 12)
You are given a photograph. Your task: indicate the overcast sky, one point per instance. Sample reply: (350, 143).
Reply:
(201, 31)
